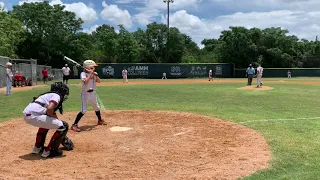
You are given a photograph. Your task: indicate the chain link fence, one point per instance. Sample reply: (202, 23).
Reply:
(29, 69)
(3, 76)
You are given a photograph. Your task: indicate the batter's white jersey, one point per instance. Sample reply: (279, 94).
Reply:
(88, 96)
(91, 84)
(35, 114)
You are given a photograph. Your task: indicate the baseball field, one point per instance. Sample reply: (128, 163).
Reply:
(175, 129)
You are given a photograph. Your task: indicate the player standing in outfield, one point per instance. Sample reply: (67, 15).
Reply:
(89, 79)
(210, 75)
(259, 76)
(41, 113)
(9, 75)
(164, 75)
(66, 73)
(125, 75)
(289, 74)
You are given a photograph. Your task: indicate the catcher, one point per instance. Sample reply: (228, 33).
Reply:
(42, 113)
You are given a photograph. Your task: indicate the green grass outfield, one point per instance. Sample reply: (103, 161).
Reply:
(295, 144)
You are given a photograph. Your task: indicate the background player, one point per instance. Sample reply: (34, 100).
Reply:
(66, 73)
(164, 75)
(125, 75)
(289, 74)
(210, 75)
(259, 75)
(89, 79)
(41, 113)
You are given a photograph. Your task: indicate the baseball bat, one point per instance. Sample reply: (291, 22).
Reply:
(76, 63)
(79, 65)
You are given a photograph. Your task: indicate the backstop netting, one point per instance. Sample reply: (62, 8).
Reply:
(3, 76)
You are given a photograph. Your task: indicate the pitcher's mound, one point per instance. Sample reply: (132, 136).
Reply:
(138, 145)
(262, 88)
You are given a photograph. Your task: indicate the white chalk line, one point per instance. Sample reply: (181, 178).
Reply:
(277, 120)
(100, 103)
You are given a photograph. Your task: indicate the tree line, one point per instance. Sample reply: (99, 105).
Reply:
(47, 33)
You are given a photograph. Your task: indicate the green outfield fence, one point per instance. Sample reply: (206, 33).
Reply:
(155, 71)
(282, 72)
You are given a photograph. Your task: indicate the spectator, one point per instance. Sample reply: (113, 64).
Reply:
(66, 73)
(45, 75)
(9, 78)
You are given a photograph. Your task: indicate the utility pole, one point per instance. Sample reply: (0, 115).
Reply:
(168, 8)
(316, 38)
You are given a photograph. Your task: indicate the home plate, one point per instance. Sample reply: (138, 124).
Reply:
(118, 128)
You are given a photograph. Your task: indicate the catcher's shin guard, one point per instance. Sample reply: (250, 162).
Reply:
(41, 137)
(58, 137)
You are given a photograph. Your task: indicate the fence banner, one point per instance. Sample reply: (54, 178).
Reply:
(155, 71)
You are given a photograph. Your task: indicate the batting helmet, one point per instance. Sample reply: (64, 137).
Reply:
(89, 64)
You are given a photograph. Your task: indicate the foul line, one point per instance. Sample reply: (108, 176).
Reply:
(276, 120)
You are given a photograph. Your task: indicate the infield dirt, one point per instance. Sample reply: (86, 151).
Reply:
(145, 145)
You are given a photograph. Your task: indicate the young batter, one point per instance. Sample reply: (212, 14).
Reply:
(41, 113)
(89, 79)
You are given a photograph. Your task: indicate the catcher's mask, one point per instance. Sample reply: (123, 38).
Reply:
(60, 88)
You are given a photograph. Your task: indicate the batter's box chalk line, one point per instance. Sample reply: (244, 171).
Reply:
(277, 120)
(101, 103)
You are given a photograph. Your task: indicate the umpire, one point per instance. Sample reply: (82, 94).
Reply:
(250, 73)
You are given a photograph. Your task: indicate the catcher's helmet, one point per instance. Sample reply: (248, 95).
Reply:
(60, 88)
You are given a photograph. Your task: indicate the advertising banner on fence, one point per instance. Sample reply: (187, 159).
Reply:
(155, 71)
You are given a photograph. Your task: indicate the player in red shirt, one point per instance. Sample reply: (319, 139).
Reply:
(45, 75)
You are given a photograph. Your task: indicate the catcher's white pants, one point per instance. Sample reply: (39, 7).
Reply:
(43, 121)
(89, 97)
(259, 81)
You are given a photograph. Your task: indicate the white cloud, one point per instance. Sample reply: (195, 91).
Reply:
(2, 6)
(115, 15)
(29, 1)
(303, 24)
(83, 11)
(91, 29)
(154, 8)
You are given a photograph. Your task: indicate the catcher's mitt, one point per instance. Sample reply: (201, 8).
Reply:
(67, 143)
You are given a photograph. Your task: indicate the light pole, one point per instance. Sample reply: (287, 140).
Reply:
(168, 8)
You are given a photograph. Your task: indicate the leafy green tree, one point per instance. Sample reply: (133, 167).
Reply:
(105, 38)
(50, 30)
(11, 34)
(128, 51)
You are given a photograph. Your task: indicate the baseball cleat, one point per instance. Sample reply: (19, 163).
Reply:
(75, 128)
(36, 150)
(45, 154)
(52, 153)
(102, 122)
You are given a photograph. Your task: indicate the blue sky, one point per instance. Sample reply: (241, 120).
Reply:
(199, 19)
